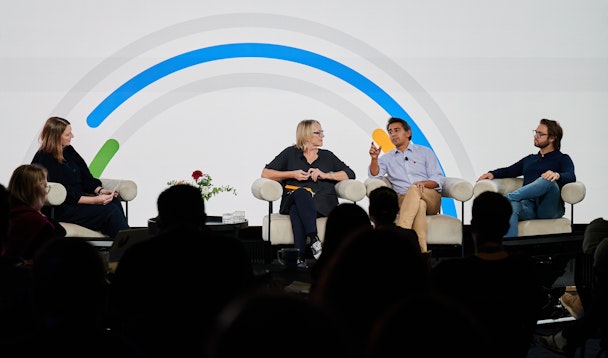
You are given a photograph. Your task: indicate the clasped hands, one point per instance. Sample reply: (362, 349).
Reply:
(106, 196)
(312, 173)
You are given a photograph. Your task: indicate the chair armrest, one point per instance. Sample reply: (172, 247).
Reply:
(127, 190)
(457, 188)
(350, 189)
(573, 193)
(57, 194)
(502, 185)
(373, 183)
(266, 189)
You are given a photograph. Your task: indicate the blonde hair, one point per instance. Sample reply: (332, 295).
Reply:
(26, 183)
(304, 131)
(50, 137)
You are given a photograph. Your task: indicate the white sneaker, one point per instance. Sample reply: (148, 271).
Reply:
(316, 249)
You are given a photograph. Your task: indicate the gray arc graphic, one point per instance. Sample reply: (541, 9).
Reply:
(236, 20)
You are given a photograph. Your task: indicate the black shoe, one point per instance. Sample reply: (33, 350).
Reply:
(549, 343)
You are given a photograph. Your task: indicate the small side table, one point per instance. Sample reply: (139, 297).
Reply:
(214, 223)
(231, 229)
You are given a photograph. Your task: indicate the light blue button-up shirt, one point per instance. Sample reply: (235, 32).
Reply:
(416, 163)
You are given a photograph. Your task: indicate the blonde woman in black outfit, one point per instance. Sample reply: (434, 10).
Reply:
(308, 174)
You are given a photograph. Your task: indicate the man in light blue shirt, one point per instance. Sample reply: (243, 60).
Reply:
(415, 174)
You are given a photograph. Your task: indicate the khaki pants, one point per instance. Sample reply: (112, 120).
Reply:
(414, 207)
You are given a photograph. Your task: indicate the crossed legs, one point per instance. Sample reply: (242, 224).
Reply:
(303, 217)
(540, 199)
(414, 206)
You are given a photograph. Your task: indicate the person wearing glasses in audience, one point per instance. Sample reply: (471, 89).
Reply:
(415, 174)
(29, 228)
(308, 175)
(544, 174)
(87, 203)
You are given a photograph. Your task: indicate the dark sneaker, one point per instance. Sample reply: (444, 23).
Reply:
(302, 263)
(549, 342)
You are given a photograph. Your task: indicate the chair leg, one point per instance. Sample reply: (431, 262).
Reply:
(269, 218)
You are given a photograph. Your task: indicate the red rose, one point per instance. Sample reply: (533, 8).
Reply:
(197, 174)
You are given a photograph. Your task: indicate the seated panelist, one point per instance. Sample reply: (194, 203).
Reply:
(87, 203)
(415, 175)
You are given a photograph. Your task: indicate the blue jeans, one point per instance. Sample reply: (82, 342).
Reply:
(540, 199)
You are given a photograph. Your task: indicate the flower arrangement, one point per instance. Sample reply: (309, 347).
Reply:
(203, 182)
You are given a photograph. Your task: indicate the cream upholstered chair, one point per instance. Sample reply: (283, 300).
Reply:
(276, 227)
(572, 193)
(442, 229)
(57, 194)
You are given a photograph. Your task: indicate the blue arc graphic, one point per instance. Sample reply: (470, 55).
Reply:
(258, 50)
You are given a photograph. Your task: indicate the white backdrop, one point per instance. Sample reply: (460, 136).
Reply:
(220, 87)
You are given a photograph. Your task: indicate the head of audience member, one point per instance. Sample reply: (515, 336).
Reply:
(283, 316)
(343, 220)
(383, 206)
(28, 185)
(490, 215)
(4, 214)
(600, 259)
(181, 205)
(595, 232)
(372, 270)
(432, 323)
(167, 291)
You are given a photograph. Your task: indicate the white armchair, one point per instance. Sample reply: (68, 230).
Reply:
(276, 227)
(442, 229)
(57, 194)
(572, 193)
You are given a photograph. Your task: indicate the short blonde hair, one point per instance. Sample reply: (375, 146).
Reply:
(304, 131)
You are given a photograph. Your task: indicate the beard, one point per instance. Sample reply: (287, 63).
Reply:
(542, 145)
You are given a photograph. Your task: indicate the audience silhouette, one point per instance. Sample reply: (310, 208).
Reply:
(166, 291)
(372, 270)
(430, 324)
(264, 324)
(342, 221)
(69, 290)
(29, 228)
(484, 282)
(383, 211)
(593, 291)
(4, 213)
(16, 314)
